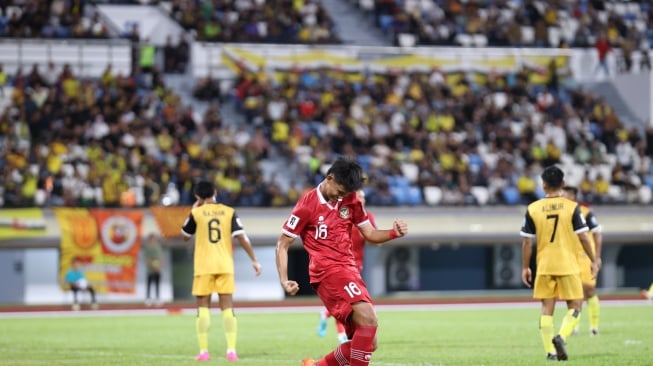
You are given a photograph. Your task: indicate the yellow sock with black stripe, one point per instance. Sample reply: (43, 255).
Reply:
(202, 324)
(569, 322)
(593, 311)
(546, 332)
(230, 328)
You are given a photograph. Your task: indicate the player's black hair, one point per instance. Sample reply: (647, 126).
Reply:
(553, 177)
(347, 173)
(571, 189)
(204, 189)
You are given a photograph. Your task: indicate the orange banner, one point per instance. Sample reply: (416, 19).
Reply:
(170, 219)
(106, 241)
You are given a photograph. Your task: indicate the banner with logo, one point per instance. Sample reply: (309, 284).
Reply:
(21, 223)
(107, 243)
(170, 219)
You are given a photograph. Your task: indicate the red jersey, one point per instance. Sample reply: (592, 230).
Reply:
(325, 231)
(358, 242)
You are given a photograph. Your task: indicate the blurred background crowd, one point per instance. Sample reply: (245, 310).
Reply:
(423, 138)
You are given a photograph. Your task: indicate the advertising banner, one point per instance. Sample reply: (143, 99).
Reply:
(170, 219)
(21, 223)
(106, 242)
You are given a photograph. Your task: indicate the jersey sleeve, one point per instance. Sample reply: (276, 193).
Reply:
(189, 227)
(578, 221)
(527, 226)
(236, 226)
(360, 216)
(592, 223)
(297, 220)
(372, 220)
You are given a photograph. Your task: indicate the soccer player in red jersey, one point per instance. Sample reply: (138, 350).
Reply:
(323, 219)
(358, 250)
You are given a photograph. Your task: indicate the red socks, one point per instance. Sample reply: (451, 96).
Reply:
(339, 356)
(362, 345)
(358, 352)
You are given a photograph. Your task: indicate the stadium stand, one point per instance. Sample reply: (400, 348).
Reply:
(423, 137)
(514, 23)
(283, 21)
(50, 19)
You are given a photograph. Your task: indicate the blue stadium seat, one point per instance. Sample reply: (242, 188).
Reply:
(365, 161)
(399, 194)
(385, 22)
(511, 195)
(648, 179)
(413, 196)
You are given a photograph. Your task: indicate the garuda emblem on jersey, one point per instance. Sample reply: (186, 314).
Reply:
(344, 212)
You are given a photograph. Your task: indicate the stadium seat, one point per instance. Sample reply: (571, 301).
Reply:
(410, 172)
(527, 35)
(645, 194)
(366, 5)
(464, 40)
(554, 36)
(511, 195)
(365, 161)
(413, 196)
(482, 194)
(479, 40)
(432, 195)
(68, 170)
(616, 193)
(385, 22)
(566, 159)
(399, 194)
(406, 40)
(648, 180)
(620, 8)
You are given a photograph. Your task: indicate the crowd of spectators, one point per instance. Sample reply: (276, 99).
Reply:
(121, 140)
(127, 140)
(411, 131)
(49, 19)
(282, 21)
(518, 23)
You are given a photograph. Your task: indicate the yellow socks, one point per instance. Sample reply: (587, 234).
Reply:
(569, 322)
(202, 324)
(593, 311)
(546, 332)
(230, 328)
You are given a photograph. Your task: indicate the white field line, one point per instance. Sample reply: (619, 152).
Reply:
(181, 358)
(300, 309)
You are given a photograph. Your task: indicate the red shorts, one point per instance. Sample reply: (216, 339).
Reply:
(339, 290)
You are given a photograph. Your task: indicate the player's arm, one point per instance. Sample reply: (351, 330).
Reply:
(595, 229)
(283, 244)
(528, 233)
(244, 241)
(526, 253)
(380, 236)
(598, 245)
(239, 232)
(580, 228)
(189, 227)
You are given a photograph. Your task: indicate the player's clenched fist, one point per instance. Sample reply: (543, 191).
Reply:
(291, 287)
(400, 227)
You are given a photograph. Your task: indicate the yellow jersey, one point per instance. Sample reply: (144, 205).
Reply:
(555, 223)
(214, 225)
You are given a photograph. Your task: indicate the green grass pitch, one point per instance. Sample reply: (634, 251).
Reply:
(453, 336)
